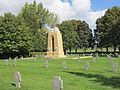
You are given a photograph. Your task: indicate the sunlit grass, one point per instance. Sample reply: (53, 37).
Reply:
(36, 77)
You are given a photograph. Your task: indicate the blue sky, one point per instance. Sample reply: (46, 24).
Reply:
(104, 4)
(100, 4)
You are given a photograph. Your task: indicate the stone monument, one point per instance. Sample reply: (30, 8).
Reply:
(55, 44)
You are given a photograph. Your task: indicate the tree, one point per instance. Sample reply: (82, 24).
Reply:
(34, 16)
(76, 34)
(69, 35)
(106, 26)
(14, 35)
(84, 34)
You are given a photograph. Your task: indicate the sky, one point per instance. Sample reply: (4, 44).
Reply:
(87, 10)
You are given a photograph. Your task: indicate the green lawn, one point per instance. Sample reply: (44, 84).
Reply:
(36, 77)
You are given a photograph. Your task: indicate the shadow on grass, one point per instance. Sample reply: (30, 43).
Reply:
(112, 81)
(13, 84)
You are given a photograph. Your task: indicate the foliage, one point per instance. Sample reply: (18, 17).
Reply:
(34, 16)
(14, 35)
(108, 29)
(75, 33)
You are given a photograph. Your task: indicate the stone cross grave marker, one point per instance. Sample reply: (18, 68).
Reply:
(15, 61)
(114, 66)
(9, 58)
(118, 55)
(110, 59)
(46, 63)
(64, 65)
(97, 56)
(86, 66)
(94, 59)
(83, 54)
(57, 83)
(6, 60)
(79, 59)
(108, 56)
(21, 57)
(17, 77)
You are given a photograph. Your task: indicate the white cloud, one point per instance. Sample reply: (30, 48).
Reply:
(80, 9)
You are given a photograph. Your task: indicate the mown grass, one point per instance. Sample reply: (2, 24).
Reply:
(36, 77)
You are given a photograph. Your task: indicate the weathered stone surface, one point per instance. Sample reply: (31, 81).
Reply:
(55, 44)
(17, 77)
(86, 66)
(57, 83)
(114, 66)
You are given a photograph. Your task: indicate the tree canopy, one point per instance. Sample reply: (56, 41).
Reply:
(108, 27)
(14, 35)
(76, 34)
(34, 16)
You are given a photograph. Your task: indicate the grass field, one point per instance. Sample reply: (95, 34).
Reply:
(36, 77)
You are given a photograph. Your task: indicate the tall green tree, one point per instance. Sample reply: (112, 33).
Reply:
(34, 16)
(76, 34)
(106, 26)
(14, 35)
(69, 35)
(84, 34)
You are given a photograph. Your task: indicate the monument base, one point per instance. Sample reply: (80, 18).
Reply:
(55, 54)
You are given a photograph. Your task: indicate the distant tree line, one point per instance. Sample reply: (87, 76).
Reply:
(25, 32)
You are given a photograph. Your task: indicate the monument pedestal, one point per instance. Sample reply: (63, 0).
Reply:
(55, 45)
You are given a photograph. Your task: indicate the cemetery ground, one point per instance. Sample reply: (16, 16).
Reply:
(35, 76)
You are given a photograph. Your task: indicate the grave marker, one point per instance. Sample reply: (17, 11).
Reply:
(79, 59)
(57, 83)
(17, 77)
(46, 63)
(114, 66)
(6, 60)
(64, 65)
(15, 61)
(86, 66)
(118, 55)
(94, 59)
(97, 56)
(110, 60)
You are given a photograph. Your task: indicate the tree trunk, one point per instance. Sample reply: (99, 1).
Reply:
(76, 49)
(70, 50)
(107, 49)
(114, 48)
(65, 51)
(119, 49)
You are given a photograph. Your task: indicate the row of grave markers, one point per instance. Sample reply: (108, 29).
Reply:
(14, 60)
(85, 66)
(57, 81)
